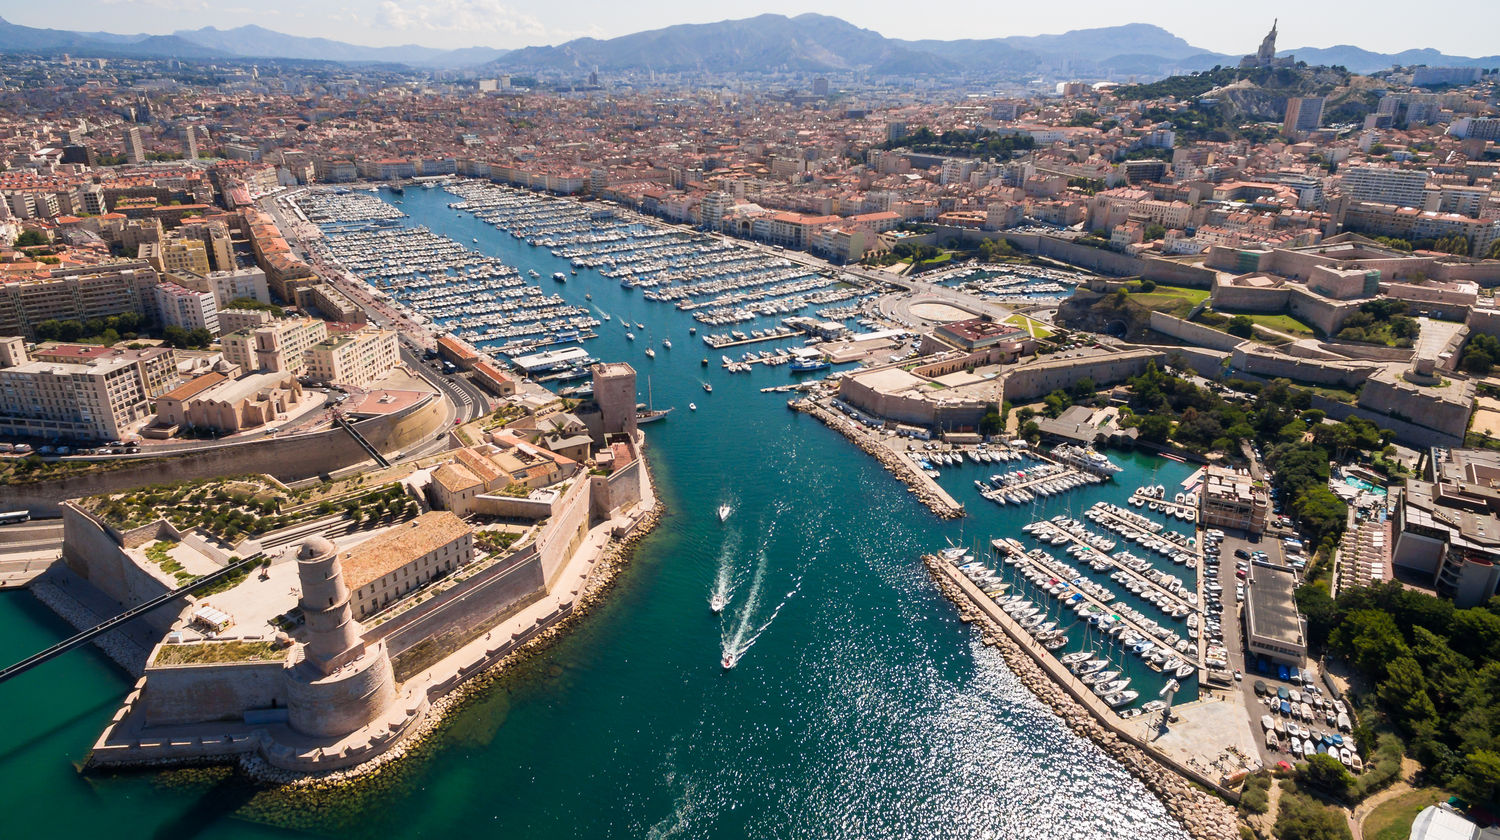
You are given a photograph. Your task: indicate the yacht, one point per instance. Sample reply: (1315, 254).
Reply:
(560, 277)
(667, 343)
(630, 336)
(650, 354)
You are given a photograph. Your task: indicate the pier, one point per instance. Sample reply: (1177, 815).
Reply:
(1177, 600)
(736, 342)
(1155, 637)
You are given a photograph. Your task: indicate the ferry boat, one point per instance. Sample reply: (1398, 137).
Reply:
(799, 365)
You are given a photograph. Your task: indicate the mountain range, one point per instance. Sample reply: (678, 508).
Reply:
(806, 43)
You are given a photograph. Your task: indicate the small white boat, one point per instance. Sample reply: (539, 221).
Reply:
(630, 336)
(667, 343)
(708, 388)
(724, 511)
(692, 406)
(718, 602)
(650, 354)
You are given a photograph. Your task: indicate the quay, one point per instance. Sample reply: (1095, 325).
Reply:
(1156, 638)
(751, 339)
(1203, 815)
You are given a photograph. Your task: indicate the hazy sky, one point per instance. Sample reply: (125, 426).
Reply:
(1462, 27)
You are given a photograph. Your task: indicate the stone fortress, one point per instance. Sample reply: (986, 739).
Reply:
(387, 623)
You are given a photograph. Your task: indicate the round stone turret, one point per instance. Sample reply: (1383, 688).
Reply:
(333, 635)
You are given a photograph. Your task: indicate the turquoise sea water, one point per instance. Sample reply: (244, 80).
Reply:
(864, 708)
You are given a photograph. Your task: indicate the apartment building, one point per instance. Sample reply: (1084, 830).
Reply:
(357, 358)
(1230, 498)
(190, 309)
(156, 367)
(244, 283)
(279, 345)
(55, 401)
(77, 294)
(1447, 524)
(1413, 223)
(176, 256)
(1303, 114)
(1386, 185)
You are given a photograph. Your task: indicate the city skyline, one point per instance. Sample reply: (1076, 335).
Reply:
(494, 23)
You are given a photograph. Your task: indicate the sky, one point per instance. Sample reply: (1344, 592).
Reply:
(1458, 27)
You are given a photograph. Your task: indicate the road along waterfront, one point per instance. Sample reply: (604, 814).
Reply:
(862, 707)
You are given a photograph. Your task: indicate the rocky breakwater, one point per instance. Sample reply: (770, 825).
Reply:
(926, 492)
(1204, 815)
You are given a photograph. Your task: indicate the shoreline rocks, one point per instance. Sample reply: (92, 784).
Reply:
(1203, 815)
(893, 464)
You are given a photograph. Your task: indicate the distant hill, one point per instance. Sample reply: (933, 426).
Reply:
(1259, 94)
(1364, 61)
(257, 41)
(814, 43)
(806, 43)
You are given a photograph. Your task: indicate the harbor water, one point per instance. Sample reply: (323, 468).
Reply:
(859, 706)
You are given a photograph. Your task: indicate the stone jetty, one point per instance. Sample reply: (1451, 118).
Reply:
(1204, 815)
(926, 492)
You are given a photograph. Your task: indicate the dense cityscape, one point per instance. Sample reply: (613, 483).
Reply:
(759, 428)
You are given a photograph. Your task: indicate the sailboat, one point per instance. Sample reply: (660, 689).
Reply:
(650, 414)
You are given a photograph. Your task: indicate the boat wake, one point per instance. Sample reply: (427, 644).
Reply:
(746, 631)
(724, 579)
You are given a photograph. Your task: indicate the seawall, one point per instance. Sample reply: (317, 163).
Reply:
(1203, 815)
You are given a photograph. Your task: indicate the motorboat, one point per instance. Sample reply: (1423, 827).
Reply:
(724, 511)
(718, 602)
(708, 388)
(692, 406)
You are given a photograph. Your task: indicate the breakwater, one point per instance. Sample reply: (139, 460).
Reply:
(1206, 817)
(928, 493)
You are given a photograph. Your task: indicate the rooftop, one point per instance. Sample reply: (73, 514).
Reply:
(379, 556)
(1271, 605)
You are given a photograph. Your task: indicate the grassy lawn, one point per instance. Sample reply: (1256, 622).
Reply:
(1284, 323)
(202, 653)
(1392, 820)
(1035, 326)
(1176, 300)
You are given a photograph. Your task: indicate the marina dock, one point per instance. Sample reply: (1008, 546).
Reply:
(1156, 637)
(736, 342)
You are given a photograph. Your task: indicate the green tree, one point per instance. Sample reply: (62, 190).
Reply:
(1479, 781)
(1404, 692)
(1370, 639)
(1326, 773)
(1241, 325)
(31, 239)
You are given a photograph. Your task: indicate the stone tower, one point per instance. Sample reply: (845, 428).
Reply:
(338, 683)
(1266, 55)
(333, 634)
(614, 392)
